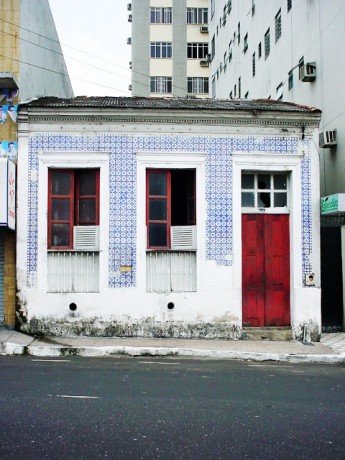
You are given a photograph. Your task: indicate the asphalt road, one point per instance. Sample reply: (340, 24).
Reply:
(169, 408)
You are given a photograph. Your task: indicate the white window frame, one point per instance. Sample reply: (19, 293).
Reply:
(170, 160)
(200, 49)
(161, 84)
(197, 16)
(71, 160)
(198, 85)
(270, 191)
(162, 15)
(158, 49)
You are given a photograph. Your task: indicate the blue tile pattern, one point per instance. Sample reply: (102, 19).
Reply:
(122, 184)
(306, 232)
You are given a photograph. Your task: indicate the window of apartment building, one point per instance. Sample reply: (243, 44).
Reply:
(161, 50)
(246, 96)
(159, 15)
(197, 15)
(230, 55)
(235, 91)
(267, 43)
(245, 43)
(197, 85)
(213, 47)
(229, 6)
(278, 25)
(259, 50)
(231, 95)
(213, 86)
(239, 33)
(290, 80)
(239, 87)
(300, 66)
(253, 7)
(264, 190)
(279, 91)
(213, 6)
(197, 50)
(289, 5)
(253, 65)
(73, 200)
(225, 60)
(161, 85)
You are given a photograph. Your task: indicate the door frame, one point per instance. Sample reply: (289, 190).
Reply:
(262, 162)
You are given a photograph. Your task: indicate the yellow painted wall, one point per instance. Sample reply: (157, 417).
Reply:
(9, 36)
(9, 62)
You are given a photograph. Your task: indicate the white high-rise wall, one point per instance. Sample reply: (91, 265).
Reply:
(310, 30)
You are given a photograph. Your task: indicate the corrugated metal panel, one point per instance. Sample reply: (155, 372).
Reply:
(2, 266)
(70, 271)
(171, 271)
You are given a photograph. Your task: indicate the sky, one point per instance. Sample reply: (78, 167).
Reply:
(93, 36)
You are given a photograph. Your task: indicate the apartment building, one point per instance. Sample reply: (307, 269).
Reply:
(293, 50)
(169, 48)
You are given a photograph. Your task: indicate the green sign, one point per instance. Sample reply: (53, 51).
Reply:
(329, 204)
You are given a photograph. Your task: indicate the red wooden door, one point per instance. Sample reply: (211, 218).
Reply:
(265, 270)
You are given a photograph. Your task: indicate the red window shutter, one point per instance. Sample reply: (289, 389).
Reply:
(158, 208)
(87, 197)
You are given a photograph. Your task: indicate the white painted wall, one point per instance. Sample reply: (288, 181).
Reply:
(311, 29)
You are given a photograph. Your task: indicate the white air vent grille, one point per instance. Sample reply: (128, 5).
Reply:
(86, 237)
(204, 63)
(327, 139)
(183, 237)
(204, 29)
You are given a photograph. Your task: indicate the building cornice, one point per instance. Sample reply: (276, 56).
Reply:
(221, 118)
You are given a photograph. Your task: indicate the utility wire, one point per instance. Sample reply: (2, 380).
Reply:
(78, 60)
(59, 73)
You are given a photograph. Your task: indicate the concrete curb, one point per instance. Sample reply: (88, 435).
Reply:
(62, 351)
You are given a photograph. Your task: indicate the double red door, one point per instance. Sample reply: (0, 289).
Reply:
(265, 270)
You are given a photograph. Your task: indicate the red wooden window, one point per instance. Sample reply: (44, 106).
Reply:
(73, 199)
(170, 201)
(158, 209)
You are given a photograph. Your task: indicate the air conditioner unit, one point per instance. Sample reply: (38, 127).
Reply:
(204, 29)
(129, 18)
(183, 238)
(86, 237)
(327, 139)
(129, 40)
(129, 6)
(307, 72)
(204, 63)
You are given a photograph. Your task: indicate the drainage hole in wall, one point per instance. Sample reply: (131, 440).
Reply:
(171, 305)
(72, 306)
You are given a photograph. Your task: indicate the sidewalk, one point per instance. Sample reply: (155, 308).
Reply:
(331, 349)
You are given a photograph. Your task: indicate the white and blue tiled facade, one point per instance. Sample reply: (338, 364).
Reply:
(123, 188)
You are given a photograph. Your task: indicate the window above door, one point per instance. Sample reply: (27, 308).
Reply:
(264, 191)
